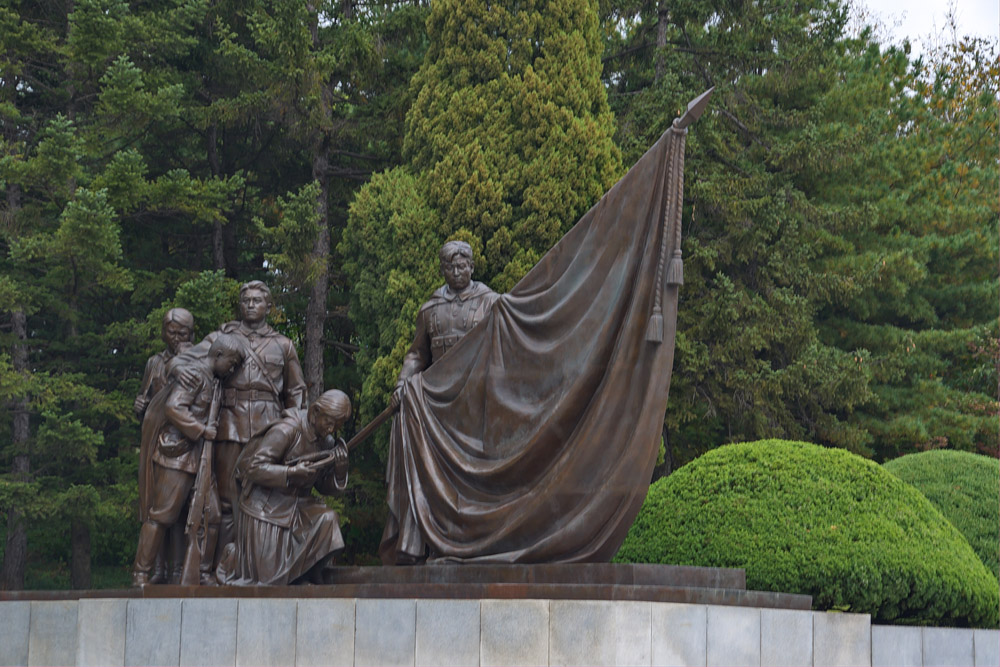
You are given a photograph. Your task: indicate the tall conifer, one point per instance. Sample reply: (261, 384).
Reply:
(508, 143)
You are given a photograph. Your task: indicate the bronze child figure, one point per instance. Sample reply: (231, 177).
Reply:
(175, 427)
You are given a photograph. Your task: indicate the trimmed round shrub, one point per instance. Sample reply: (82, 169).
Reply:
(965, 487)
(800, 518)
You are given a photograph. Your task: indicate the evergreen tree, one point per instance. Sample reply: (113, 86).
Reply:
(508, 143)
(834, 198)
(142, 147)
(750, 362)
(927, 255)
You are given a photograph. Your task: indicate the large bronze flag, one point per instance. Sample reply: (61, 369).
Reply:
(533, 440)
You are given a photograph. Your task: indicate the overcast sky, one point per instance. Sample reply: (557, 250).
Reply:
(920, 20)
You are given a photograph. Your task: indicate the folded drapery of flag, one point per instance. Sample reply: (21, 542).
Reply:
(533, 440)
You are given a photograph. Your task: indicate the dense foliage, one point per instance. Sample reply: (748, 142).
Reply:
(508, 142)
(157, 155)
(801, 518)
(839, 219)
(840, 246)
(965, 488)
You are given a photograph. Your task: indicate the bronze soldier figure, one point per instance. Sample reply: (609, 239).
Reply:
(451, 312)
(285, 534)
(269, 380)
(176, 331)
(174, 429)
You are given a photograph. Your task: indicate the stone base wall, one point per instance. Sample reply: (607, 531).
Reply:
(324, 631)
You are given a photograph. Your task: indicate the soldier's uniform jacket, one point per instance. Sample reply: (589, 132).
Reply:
(262, 471)
(269, 379)
(442, 322)
(185, 411)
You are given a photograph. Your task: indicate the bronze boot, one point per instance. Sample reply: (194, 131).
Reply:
(150, 539)
(207, 564)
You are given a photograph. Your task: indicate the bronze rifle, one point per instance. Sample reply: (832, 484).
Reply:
(325, 458)
(200, 501)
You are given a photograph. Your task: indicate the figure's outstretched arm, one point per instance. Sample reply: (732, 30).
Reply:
(417, 358)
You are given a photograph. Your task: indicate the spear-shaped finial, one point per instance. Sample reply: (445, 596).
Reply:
(694, 110)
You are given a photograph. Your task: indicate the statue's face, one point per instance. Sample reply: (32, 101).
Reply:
(224, 363)
(175, 336)
(254, 306)
(324, 424)
(457, 272)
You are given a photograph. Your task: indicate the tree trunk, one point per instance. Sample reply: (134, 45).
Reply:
(79, 566)
(664, 469)
(218, 239)
(15, 555)
(661, 39)
(668, 453)
(79, 573)
(316, 308)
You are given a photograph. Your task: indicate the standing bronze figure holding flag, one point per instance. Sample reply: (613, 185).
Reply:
(533, 437)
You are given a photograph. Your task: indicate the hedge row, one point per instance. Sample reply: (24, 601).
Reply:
(824, 522)
(965, 487)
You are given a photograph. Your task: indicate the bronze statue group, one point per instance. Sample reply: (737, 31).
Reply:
(501, 451)
(225, 495)
(230, 453)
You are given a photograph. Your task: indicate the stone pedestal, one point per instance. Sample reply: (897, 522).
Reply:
(552, 615)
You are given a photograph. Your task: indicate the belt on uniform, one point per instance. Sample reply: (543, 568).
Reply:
(445, 341)
(231, 396)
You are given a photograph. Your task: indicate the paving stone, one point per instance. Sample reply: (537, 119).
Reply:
(786, 638)
(897, 646)
(385, 632)
(944, 647)
(679, 634)
(447, 632)
(514, 632)
(324, 633)
(842, 640)
(100, 633)
(153, 632)
(733, 636)
(52, 633)
(15, 619)
(208, 631)
(265, 633)
(987, 647)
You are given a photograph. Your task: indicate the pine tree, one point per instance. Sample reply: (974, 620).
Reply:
(749, 362)
(156, 156)
(832, 288)
(926, 308)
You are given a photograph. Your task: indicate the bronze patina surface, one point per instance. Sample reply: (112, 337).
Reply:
(285, 534)
(175, 429)
(532, 437)
(176, 331)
